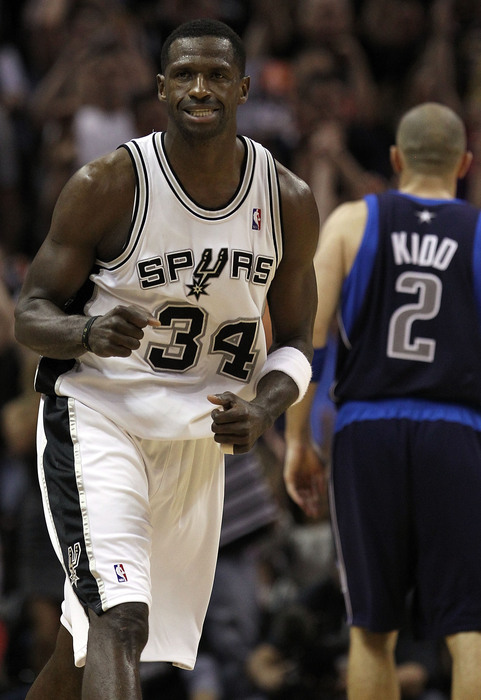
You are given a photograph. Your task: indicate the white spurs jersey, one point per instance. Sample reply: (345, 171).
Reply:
(204, 274)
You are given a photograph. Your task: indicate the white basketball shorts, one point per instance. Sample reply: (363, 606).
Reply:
(131, 520)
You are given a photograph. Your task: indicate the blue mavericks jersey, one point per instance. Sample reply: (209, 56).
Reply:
(410, 316)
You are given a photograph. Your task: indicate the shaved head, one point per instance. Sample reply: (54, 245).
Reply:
(432, 139)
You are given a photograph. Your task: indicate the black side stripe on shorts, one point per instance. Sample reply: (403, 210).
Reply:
(63, 494)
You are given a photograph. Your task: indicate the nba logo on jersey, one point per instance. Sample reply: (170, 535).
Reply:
(120, 571)
(256, 219)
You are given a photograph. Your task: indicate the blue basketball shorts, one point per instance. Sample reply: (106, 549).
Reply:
(405, 495)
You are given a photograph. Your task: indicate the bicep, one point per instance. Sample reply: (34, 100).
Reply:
(329, 278)
(292, 305)
(293, 295)
(92, 209)
(58, 271)
(67, 254)
(340, 239)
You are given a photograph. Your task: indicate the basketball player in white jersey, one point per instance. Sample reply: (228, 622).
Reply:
(145, 303)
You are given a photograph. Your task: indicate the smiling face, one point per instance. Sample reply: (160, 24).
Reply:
(202, 87)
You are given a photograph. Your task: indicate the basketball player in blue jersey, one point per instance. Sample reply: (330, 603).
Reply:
(145, 303)
(403, 269)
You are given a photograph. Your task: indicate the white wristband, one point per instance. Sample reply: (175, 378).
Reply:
(292, 362)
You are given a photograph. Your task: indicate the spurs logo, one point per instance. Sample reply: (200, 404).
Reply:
(73, 562)
(203, 272)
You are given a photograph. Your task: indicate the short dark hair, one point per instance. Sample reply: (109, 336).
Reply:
(205, 27)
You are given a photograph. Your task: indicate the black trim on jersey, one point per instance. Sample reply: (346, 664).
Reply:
(50, 369)
(271, 206)
(63, 497)
(188, 197)
(48, 372)
(76, 304)
(135, 210)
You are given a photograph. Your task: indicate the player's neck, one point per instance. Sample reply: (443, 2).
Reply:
(209, 174)
(428, 187)
(217, 154)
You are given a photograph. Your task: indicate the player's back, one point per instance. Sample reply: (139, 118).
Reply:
(411, 306)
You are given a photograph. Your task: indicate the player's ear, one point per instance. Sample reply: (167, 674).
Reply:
(161, 87)
(244, 89)
(464, 164)
(397, 162)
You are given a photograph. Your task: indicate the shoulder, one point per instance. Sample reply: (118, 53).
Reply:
(111, 171)
(96, 203)
(293, 189)
(106, 182)
(298, 205)
(343, 232)
(346, 217)
(300, 216)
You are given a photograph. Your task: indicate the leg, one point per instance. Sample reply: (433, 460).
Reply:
(465, 650)
(116, 640)
(371, 672)
(60, 678)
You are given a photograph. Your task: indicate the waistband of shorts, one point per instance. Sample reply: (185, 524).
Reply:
(410, 409)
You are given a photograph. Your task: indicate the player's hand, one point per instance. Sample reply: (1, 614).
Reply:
(236, 424)
(120, 331)
(304, 477)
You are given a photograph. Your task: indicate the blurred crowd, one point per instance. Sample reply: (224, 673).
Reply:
(329, 80)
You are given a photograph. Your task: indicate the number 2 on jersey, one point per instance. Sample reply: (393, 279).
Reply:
(429, 289)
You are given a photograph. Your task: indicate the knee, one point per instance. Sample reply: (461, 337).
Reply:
(463, 645)
(377, 642)
(125, 624)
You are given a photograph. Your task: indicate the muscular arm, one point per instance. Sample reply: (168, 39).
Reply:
(292, 306)
(91, 219)
(292, 295)
(339, 243)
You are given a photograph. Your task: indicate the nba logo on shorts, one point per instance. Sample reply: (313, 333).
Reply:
(256, 219)
(120, 571)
